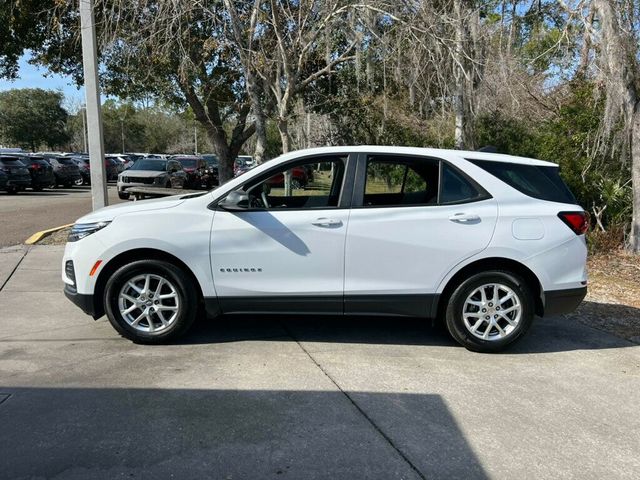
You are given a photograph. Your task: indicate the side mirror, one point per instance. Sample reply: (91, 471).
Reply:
(235, 201)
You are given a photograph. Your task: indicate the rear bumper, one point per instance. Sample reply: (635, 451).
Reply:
(557, 302)
(84, 302)
(19, 182)
(44, 180)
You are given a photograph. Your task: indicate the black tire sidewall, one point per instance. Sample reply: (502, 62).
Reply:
(184, 287)
(455, 323)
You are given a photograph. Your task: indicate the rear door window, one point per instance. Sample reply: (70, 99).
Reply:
(537, 181)
(396, 181)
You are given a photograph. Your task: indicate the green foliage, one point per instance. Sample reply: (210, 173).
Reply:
(33, 117)
(598, 178)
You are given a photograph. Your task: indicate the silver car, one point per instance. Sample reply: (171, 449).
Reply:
(148, 172)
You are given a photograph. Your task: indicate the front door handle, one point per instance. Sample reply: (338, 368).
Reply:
(464, 217)
(326, 222)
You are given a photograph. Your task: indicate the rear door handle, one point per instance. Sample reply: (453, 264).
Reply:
(464, 217)
(326, 222)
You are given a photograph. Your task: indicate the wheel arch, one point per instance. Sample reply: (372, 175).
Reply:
(130, 256)
(492, 263)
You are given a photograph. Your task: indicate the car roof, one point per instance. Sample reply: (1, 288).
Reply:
(447, 154)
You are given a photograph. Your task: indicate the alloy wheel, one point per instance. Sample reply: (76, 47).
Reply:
(492, 312)
(149, 303)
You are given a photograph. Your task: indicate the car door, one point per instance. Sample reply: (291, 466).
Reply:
(285, 251)
(413, 219)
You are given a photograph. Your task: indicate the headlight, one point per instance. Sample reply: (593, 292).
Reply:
(81, 230)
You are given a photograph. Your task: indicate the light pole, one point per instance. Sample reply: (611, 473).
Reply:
(99, 196)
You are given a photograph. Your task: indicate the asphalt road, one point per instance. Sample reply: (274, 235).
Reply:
(302, 397)
(28, 212)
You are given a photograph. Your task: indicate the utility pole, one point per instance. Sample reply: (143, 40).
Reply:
(99, 196)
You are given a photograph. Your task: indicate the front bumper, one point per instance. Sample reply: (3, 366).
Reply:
(85, 302)
(557, 302)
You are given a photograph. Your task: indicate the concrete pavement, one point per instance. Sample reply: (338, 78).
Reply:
(28, 212)
(267, 397)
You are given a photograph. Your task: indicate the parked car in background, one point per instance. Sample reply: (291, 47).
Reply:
(4, 179)
(299, 178)
(85, 168)
(151, 173)
(243, 164)
(197, 171)
(18, 177)
(65, 170)
(117, 161)
(40, 170)
(482, 241)
(213, 167)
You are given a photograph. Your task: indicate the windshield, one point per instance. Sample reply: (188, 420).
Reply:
(154, 165)
(187, 162)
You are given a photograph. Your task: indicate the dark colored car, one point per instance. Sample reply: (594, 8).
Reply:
(197, 171)
(40, 170)
(116, 163)
(17, 173)
(4, 178)
(213, 167)
(65, 170)
(85, 168)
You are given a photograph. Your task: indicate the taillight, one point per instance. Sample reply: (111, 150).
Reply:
(35, 166)
(576, 221)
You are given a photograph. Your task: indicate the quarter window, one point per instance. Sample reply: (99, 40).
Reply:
(456, 188)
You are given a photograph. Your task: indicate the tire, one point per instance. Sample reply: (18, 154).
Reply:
(12, 191)
(518, 309)
(123, 196)
(176, 282)
(68, 185)
(37, 188)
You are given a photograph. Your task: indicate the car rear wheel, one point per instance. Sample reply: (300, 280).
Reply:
(150, 301)
(489, 311)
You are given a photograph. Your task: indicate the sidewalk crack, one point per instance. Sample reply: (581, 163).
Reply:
(357, 407)
(14, 269)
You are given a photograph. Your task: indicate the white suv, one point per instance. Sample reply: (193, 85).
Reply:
(482, 240)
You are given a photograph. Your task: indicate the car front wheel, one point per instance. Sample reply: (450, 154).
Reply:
(150, 301)
(489, 311)
(123, 196)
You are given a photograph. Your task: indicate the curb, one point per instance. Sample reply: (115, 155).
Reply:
(36, 237)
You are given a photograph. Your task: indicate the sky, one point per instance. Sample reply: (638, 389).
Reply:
(34, 77)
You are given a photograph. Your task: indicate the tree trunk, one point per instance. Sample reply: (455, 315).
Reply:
(260, 119)
(285, 138)
(226, 157)
(283, 128)
(634, 240)
(459, 78)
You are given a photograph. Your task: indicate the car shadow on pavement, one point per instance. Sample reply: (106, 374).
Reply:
(555, 334)
(210, 433)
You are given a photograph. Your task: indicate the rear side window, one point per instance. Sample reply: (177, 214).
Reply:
(543, 183)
